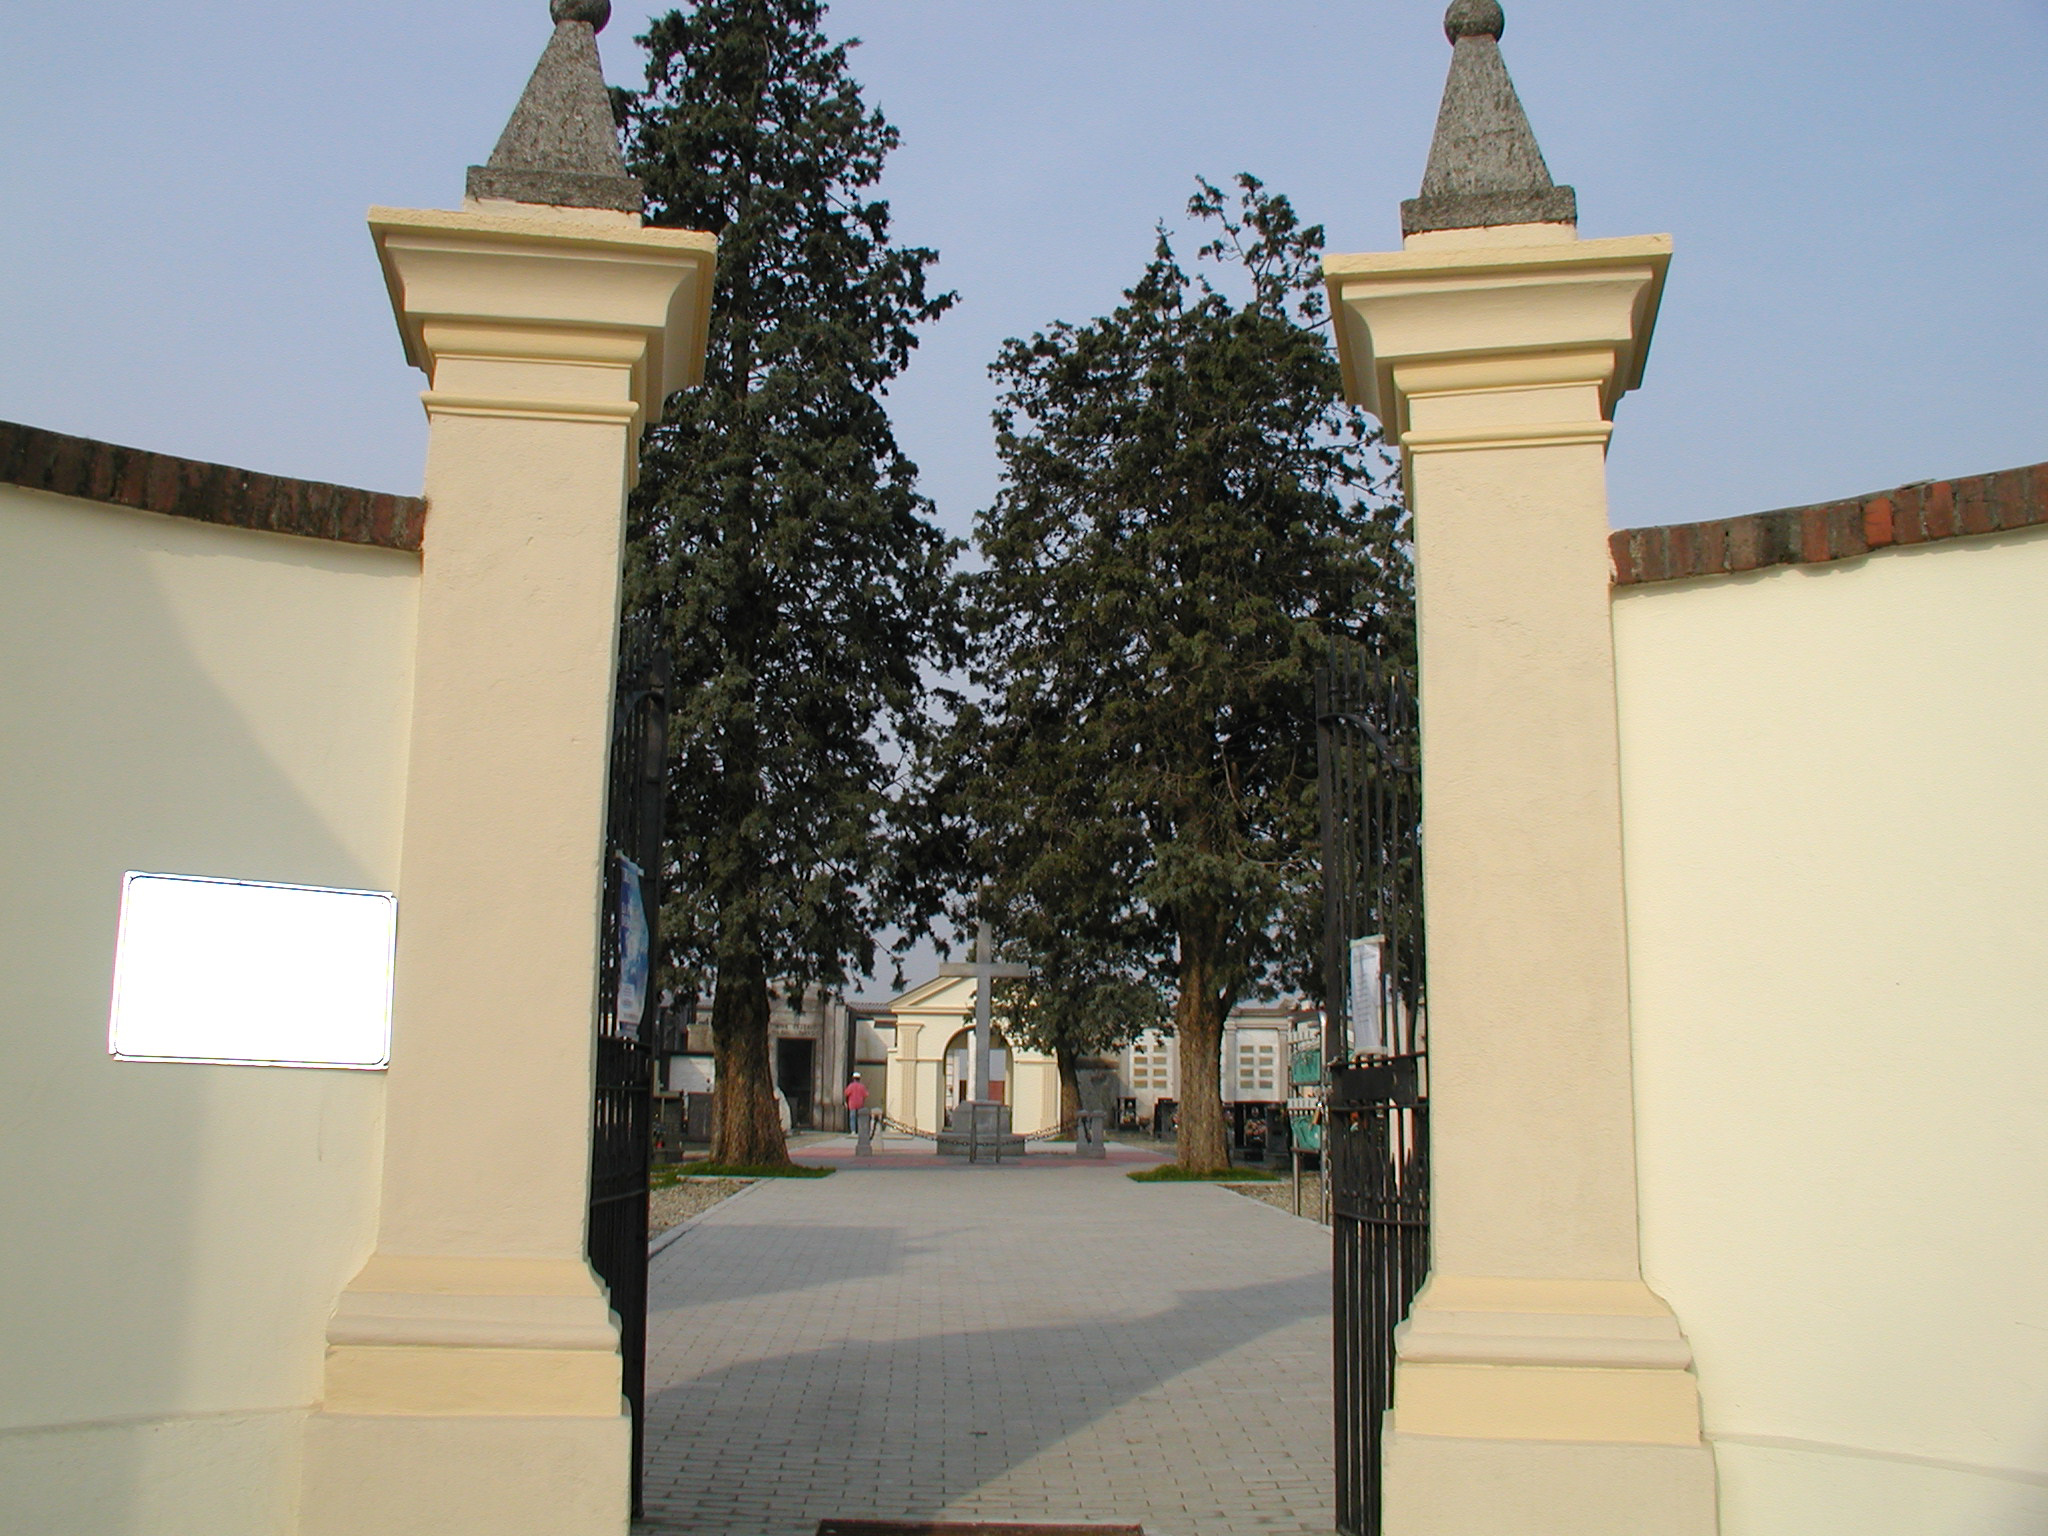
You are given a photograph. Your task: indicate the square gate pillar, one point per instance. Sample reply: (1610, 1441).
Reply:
(473, 1371)
(1540, 1386)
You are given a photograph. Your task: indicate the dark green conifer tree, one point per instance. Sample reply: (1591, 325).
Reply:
(1188, 511)
(778, 530)
(1079, 1002)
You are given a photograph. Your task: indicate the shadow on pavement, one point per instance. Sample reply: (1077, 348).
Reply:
(713, 1263)
(902, 1428)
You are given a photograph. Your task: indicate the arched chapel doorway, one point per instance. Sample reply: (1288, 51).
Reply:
(960, 1067)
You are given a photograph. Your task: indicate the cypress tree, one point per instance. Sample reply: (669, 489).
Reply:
(1188, 512)
(778, 532)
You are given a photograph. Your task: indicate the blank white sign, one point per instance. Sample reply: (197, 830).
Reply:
(1368, 957)
(237, 971)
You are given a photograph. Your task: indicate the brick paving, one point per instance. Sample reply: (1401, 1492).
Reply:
(927, 1340)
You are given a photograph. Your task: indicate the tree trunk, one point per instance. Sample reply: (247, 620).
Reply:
(1070, 1083)
(748, 1128)
(1198, 1015)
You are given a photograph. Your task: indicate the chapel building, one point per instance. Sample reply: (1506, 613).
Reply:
(927, 1035)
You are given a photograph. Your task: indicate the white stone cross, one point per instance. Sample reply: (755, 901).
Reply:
(986, 971)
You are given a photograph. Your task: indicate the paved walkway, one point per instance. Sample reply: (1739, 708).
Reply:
(1049, 1341)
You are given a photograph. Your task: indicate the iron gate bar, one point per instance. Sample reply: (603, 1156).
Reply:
(1376, 1126)
(622, 1117)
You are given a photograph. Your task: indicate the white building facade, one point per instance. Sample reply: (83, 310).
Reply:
(1254, 1061)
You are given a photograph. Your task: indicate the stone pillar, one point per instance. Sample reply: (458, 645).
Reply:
(1540, 1385)
(473, 1372)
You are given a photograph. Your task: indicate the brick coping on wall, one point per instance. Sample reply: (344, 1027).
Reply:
(211, 493)
(1834, 530)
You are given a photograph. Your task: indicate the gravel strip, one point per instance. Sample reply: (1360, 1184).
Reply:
(692, 1197)
(1281, 1195)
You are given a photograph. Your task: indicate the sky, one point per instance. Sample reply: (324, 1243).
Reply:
(1858, 196)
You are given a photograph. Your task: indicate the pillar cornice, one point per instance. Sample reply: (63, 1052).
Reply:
(608, 313)
(1465, 319)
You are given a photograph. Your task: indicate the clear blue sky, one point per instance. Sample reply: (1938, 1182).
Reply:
(1858, 194)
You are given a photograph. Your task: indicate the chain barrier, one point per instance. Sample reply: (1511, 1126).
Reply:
(1061, 1132)
(884, 1123)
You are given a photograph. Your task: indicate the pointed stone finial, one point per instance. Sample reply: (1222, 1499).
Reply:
(561, 146)
(1485, 167)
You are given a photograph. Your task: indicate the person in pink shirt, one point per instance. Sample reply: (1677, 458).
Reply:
(856, 1101)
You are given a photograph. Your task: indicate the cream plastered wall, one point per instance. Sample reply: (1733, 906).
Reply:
(175, 696)
(1835, 792)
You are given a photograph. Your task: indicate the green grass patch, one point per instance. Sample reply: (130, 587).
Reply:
(1173, 1173)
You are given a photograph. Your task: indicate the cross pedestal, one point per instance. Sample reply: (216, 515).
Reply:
(981, 1133)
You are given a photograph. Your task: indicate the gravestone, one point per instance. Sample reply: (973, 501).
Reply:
(1088, 1136)
(1097, 1087)
(696, 1117)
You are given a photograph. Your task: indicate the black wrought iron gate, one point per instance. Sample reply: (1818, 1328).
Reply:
(1376, 1131)
(622, 1124)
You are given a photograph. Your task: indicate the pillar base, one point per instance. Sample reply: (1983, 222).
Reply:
(1527, 1407)
(470, 1397)
(1445, 1486)
(469, 1475)
(452, 1335)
